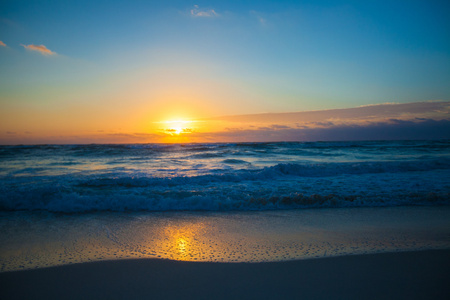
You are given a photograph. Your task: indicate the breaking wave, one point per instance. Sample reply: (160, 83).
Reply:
(221, 177)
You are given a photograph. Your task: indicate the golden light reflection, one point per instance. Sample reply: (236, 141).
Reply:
(184, 242)
(181, 245)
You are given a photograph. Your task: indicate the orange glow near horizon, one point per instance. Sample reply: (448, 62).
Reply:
(177, 127)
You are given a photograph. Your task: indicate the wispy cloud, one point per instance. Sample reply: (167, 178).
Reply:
(2, 44)
(197, 12)
(424, 129)
(380, 104)
(369, 113)
(418, 120)
(39, 48)
(262, 21)
(8, 22)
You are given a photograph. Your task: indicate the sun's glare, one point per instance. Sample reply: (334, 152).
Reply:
(177, 130)
(177, 127)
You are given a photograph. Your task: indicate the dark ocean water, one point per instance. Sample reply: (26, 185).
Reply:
(222, 177)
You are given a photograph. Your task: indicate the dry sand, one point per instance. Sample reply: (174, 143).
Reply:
(406, 275)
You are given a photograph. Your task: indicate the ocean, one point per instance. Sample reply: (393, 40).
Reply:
(223, 177)
(241, 202)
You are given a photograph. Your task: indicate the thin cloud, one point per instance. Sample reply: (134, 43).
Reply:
(277, 127)
(2, 44)
(8, 22)
(427, 129)
(262, 21)
(39, 48)
(197, 12)
(434, 110)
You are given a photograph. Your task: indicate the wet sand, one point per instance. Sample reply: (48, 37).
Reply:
(404, 275)
(38, 240)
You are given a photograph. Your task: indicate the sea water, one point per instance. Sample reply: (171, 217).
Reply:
(221, 202)
(223, 177)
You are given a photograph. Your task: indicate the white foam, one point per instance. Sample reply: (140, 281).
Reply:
(254, 176)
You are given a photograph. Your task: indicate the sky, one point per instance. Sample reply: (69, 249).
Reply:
(173, 71)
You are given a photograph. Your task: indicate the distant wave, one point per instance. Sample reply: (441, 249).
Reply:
(234, 161)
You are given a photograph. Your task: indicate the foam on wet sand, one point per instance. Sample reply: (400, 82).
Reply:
(34, 240)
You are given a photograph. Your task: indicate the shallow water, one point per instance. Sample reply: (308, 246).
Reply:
(35, 240)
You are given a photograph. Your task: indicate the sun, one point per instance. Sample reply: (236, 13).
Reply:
(177, 127)
(177, 130)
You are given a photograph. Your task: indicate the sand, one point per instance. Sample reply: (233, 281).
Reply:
(403, 275)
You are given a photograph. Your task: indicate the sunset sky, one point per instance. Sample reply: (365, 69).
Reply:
(178, 71)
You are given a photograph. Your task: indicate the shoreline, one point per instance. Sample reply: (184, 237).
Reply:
(34, 241)
(395, 275)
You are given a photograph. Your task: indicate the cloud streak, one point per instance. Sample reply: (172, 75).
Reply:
(421, 129)
(39, 48)
(407, 121)
(2, 44)
(364, 114)
(208, 13)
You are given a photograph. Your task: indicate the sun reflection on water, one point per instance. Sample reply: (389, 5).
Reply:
(231, 237)
(183, 242)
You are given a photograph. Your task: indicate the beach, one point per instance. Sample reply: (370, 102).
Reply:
(404, 275)
(349, 253)
(32, 240)
(344, 220)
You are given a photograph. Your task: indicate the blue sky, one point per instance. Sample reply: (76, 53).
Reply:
(152, 60)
